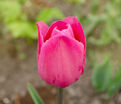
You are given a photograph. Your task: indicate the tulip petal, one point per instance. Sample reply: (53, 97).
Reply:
(42, 30)
(67, 32)
(61, 61)
(60, 25)
(78, 32)
(77, 29)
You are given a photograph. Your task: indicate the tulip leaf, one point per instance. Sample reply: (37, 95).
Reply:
(101, 76)
(115, 84)
(35, 96)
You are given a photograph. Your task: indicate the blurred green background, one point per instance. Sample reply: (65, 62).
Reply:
(101, 21)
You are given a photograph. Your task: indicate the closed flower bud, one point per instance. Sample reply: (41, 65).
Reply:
(61, 51)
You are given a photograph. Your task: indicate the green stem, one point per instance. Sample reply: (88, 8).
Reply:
(60, 96)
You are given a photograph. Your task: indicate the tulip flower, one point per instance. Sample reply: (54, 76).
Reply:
(61, 51)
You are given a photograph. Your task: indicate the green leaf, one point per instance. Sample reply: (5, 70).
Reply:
(115, 84)
(22, 1)
(91, 22)
(47, 14)
(95, 6)
(111, 30)
(77, 1)
(9, 10)
(23, 29)
(35, 96)
(101, 76)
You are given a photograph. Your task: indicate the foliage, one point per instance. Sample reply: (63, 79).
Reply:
(112, 24)
(7, 8)
(17, 22)
(102, 76)
(35, 96)
(91, 22)
(77, 1)
(95, 6)
(48, 14)
(103, 80)
(110, 18)
(115, 84)
(23, 29)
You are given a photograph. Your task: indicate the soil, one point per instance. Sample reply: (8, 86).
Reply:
(16, 72)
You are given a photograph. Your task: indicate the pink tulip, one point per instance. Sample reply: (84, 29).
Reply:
(61, 51)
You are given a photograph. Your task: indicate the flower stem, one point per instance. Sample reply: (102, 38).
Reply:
(60, 96)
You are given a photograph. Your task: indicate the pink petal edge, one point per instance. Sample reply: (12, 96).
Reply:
(67, 32)
(77, 29)
(42, 30)
(57, 24)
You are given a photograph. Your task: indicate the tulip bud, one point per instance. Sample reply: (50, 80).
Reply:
(61, 51)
